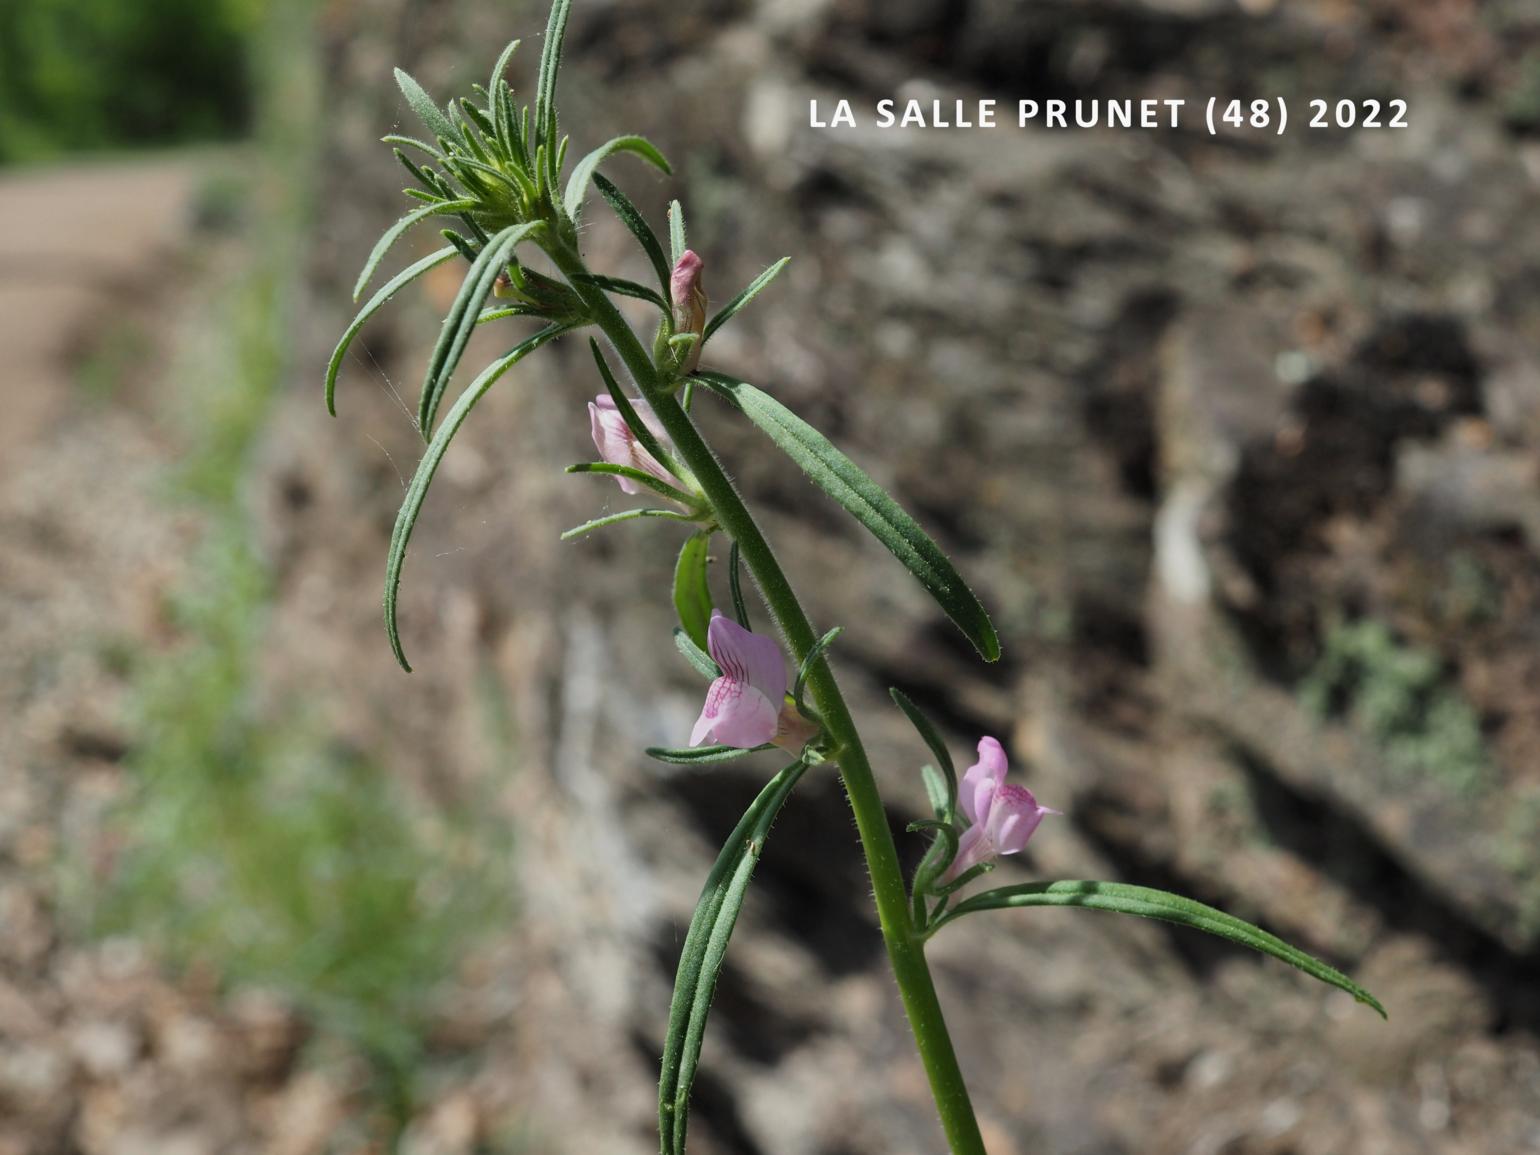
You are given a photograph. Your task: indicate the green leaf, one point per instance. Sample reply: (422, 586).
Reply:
(676, 231)
(623, 287)
(417, 491)
(545, 89)
(500, 314)
(478, 133)
(844, 481)
(412, 141)
(641, 477)
(434, 186)
(376, 302)
(692, 594)
(1121, 898)
(735, 584)
(743, 298)
(577, 185)
(938, 856)
(700, 755)
(936, 789)
(937, 744)
(616, 518)
(460, 245)
(428, 112)
(461, 319)
(497, 102)
(394, 234)
(696, 656)
(813, 655)
(705, 946)
(500, 69)
(632, 218)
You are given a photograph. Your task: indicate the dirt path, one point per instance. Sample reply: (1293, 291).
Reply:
(90, 547)
(72, 240)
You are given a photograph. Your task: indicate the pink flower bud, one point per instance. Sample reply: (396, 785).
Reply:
(689, 293)
(1003, 817)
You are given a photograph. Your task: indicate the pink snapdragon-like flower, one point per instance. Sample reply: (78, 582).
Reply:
(743, 706)
(618, 445)
(688, 290)
(1003, 816)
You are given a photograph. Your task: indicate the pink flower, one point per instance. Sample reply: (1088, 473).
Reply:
(1003, 817)
(619, 446)
(689, 301)
(743, 706)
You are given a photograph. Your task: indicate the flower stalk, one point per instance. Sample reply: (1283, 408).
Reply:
(904, 943)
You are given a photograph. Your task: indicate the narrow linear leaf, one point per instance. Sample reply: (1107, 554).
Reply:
(376, 302)
(735, 584)
(417, 491)
(460, 244)
(641, 477)
(813, 656)
(754, 289)
(696, 656)
(1122, 898)
(497, 93)
(616, 518)
(545, 88)
(632, 218)
(428, 182)
(395, 232)
(500, 69)
(866, 501)
(427, 112)
(937, 744)
(623, 287)
(481, 121)
(460, 322)
(676, 231)
(700, 755)
(692, 594)
(938, 856)
(936, 790)
(705, 946)
(413, 142)
(577, 185)
(500, 314)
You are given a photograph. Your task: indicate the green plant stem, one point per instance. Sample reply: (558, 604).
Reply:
(904, 942)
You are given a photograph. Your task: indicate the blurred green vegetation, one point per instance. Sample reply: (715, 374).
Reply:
(252, 845)
(96, 74)
(1398, 695)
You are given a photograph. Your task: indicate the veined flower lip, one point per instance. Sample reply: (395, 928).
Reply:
(743, 705)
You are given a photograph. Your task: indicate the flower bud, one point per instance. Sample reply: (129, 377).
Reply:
(689, 294)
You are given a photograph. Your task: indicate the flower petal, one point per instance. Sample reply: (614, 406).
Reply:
(981, 780)
(619, 446)
(735, 714)
(1014, 817)
(972, 849)
(992, 758)
(750, 657)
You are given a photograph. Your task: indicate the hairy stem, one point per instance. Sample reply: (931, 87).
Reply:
(904, 942)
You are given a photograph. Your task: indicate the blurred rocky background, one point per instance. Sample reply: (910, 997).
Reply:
(1238, 437)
